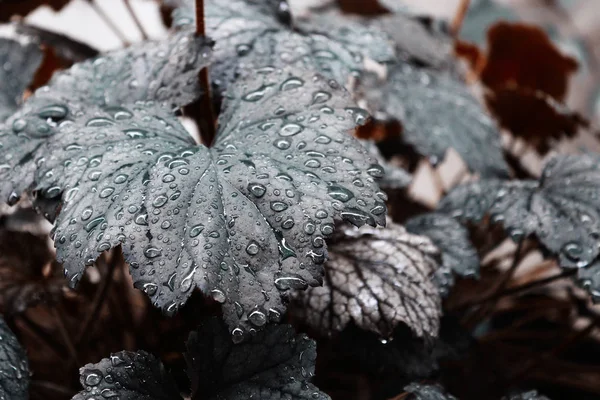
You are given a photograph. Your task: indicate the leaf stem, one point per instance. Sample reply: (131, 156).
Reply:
(109, 23)
(206, 122)
(459, 17)
(88, 323)
(136, 20)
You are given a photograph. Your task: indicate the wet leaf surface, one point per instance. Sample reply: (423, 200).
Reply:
(376, 278)
(395, 177)
(530, 395)
(255, 35)
(459, 256)
(437, 112)
(243, 222)
(19, 60)
(14, 368)
(274, 364)
(561, 209)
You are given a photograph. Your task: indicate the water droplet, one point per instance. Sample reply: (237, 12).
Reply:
(252, 248)
(218, 296)
(257, 318)
(291, 129)
(257, 189)
(291, 83)
(340, 193)
(278, 206)
(196, 230)
(152, 252)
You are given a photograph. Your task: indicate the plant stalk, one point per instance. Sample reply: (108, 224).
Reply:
(206, 122)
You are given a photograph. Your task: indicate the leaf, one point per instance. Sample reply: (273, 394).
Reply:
(127, 375)
(242, 221)
(395, 177)
(20, 60)
(427, 392)
(531, 395)
(65, 47)
(14, 368)
(251, 36)
(523, 55)
(419, 40)
(274, 364)
(357, 38)
(561, 209)
(376, 278)
(534, 116)
(589, 279)
(459, 256)
(437, 113)
(480, 16)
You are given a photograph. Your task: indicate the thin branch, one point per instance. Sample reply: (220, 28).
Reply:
(66, 337)
(136, 20)
(43, 335)
(206, 121)
(87, 325)
(459, 17)
(109, 23)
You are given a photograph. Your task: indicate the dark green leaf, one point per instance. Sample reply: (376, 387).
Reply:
(14, 368)
(376, 278)
(19, 60)
(437, 113)
(244, 222)
(127, 376)
(427, 392)
(274, 364)
(452, 239)
(561, 209)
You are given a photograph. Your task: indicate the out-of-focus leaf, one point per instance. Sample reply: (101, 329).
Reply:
(561, 209)
(25, 279)
(437, 112)
(376, 278)
(19, 63)
(274, 364)
(14, 368)
(10, 8)
(452, 239)
(531, 395)
(254, 36)
(589, 279)
(427, 392)
(65, 47)
(127, 376)
(419, 40)
(534, 116)
(241, 221)
(524, 56)
(395, 177)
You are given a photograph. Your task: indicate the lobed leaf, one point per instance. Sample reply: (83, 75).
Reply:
(14, 368)
(19, 63)
(376, 278)
(459, 256)
(437, 112)
(275, 364)
(531, 395)
(244, 221)
(561, 209)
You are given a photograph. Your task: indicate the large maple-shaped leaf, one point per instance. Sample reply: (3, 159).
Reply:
(14, 368)
(437, 113)
(274, 364)
(452, 239)
(561, 209)
(376, 278)
(244, 221)
(251, 35)
(427, 392)
(19, 62)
